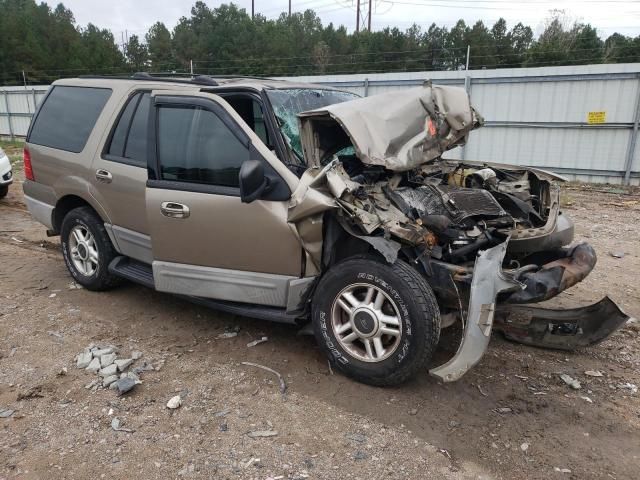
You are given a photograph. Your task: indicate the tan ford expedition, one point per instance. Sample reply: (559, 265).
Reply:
(303, 204)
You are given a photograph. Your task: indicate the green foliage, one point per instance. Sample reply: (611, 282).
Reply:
(47, 44)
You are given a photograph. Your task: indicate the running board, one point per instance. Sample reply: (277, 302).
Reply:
(133, 270)
(142, 273)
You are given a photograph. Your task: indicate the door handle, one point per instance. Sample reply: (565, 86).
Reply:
(174, 210)
(103, 176)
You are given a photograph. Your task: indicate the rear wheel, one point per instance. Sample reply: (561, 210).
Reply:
(378, 323)
(3, 191)
(87, 249)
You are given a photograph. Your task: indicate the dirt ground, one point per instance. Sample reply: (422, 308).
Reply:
(328, 427)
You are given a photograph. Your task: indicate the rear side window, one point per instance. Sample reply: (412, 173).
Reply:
(68, 116)
(129, 139)
(196, 146)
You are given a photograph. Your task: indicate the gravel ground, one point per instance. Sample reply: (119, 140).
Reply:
(510, 417)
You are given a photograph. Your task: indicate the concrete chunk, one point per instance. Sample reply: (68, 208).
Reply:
(84, 359)
(108, 371)
(124, 363)
(108, 359)
(94, 365)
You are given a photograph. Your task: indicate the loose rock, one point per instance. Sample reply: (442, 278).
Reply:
(108, 359)
(94, 365)
(263, 433)
(123, 364)
(109, 380)
(593, 373)
(5, 413)
(572, 382)
(84, 359)
(174, 402)
(108, 371)
(524, 447)
(103, 351)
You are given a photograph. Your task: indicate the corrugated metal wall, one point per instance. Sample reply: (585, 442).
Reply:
(534, 116)
(17, 105)
(539, 116)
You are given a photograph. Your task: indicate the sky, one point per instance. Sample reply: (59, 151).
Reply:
(136, 16)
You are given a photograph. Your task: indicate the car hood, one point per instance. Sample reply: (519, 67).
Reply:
(398, 130)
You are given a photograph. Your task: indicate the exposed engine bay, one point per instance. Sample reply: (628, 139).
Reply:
(484, 235)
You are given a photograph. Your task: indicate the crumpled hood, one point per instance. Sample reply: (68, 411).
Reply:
(398, 130)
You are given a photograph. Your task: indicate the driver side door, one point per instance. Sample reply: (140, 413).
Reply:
(206, 242)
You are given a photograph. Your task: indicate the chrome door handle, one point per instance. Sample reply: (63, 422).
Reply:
(174, 210)
(103, 176)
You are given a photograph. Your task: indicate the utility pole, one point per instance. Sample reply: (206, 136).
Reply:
(289, 7)
(191, 67)
(468, 51)
(252, 8)
(358, 17)
(369, 16)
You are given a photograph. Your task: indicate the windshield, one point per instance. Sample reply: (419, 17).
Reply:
(287, 104)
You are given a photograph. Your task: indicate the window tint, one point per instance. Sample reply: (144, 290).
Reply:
(120, 133)
(129, 139)
(68, 116)
(136, 148)
(194, 145)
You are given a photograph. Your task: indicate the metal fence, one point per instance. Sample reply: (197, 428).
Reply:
(579, 121)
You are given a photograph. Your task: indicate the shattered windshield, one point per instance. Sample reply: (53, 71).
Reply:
(287, 104)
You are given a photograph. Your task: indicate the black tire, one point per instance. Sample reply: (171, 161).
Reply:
(3, 191)
(418, 313)
(86, 218)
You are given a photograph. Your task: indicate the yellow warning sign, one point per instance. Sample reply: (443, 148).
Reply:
(596, 117)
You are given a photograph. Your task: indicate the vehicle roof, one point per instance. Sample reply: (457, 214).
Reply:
(198, 82)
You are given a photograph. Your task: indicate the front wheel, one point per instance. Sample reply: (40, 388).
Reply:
(378, 323)
(3, 191)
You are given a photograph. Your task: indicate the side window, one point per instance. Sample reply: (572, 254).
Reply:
(129, 140)
(68, 116)
(195, 145)
(258, 124)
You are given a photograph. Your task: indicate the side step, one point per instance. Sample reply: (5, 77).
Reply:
(142, 273)
(133, 270)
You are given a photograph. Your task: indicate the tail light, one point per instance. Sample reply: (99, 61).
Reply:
(28, 169)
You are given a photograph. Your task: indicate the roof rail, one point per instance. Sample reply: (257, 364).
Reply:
(199, 80)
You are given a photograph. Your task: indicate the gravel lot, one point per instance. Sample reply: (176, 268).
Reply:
(510, 417)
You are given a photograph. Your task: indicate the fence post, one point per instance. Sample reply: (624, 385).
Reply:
(366, 87)
(35, 102)
(6, 104)
(633, 138)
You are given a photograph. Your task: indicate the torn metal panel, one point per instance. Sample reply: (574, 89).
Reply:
(563, 268)
(398, 130)
(564, 329)
(488, 281)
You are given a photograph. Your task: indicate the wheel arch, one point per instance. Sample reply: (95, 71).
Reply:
(67, 203)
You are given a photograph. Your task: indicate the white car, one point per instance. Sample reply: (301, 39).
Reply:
(6, 175)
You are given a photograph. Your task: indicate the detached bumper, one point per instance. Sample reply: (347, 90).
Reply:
(560, 329)
(495, 293)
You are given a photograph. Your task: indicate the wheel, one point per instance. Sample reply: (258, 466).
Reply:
(3, 191)
(87, 249)
(377, 323)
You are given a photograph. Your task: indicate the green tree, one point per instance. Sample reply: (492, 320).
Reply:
(136, 53)
(159, 46)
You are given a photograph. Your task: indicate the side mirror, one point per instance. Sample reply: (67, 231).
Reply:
(253, 181)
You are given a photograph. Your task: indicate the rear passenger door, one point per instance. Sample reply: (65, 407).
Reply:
(119, 176)
(205, 241)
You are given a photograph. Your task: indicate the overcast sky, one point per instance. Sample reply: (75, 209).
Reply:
(136, 16)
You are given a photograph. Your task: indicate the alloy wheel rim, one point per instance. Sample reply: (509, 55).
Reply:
(366, 322)
(83, 250)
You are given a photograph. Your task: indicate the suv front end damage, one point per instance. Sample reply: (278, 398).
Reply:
(489, 238)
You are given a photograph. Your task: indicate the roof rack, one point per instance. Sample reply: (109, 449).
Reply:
(197, 80)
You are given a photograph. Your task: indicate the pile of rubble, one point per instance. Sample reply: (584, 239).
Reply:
(113, 372)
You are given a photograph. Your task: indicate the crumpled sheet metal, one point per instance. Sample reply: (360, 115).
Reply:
(562, 329)
(488, 281)
(557, 275)
(399, 130)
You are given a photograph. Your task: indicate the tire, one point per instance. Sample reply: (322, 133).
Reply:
(3, 191)
(97, 249)
(407, 300)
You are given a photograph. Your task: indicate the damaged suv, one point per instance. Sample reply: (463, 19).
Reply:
(303, 204)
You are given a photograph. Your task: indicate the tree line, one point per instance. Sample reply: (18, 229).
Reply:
(39, 44)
